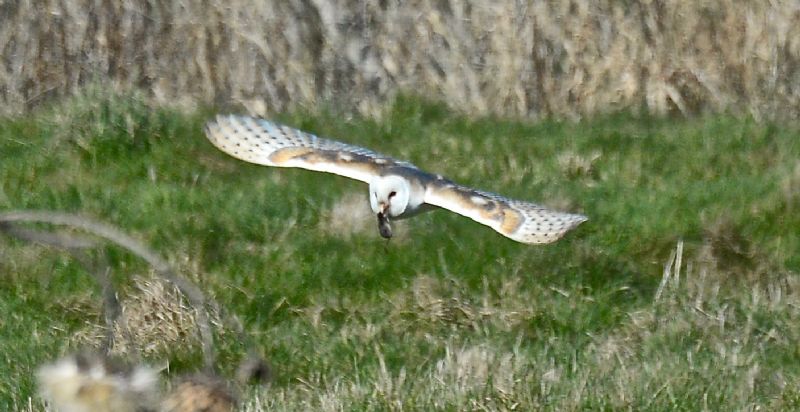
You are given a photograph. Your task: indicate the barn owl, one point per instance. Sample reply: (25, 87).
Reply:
(397, 189)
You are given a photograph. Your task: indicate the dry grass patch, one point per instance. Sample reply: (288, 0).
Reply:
(155, 319)
(433, 302)
(703, 327)
(578, 165)
(790, 186)
(350, 215)
(563, 58)
(474, 377)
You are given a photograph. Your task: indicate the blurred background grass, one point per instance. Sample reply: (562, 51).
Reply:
(533, 59)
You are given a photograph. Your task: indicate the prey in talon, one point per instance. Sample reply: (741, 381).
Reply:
(384, 227)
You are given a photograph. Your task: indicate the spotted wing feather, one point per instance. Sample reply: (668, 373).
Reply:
(262, 142)
(522, 221)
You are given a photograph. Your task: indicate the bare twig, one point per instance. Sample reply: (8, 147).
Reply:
(60, 240)
(111, 307)
(75, 243)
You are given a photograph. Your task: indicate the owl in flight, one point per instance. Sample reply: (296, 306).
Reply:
(397, 189)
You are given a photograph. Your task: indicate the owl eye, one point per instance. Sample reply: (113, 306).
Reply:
(391, 195)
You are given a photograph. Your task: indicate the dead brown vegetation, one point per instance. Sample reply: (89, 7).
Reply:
(563, 58)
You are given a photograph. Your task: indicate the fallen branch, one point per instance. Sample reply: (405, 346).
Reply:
(75, 245)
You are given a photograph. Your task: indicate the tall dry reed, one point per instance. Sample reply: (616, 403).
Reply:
(519, 58)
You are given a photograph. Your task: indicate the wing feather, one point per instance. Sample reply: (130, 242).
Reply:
(270, 144)
(522, 221)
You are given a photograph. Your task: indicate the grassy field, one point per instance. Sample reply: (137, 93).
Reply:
(680, 293)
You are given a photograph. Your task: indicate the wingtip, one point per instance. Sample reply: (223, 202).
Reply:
(215, 127)
(568, 222)
(575, 221)
(226, 118)
(213, 124)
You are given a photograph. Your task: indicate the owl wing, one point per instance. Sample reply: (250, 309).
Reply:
(262, 142)
(522, 221)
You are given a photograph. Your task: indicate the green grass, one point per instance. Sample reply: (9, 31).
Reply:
(449, 316)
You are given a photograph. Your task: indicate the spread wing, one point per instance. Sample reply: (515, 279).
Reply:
(519, 220)
(270, 144)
